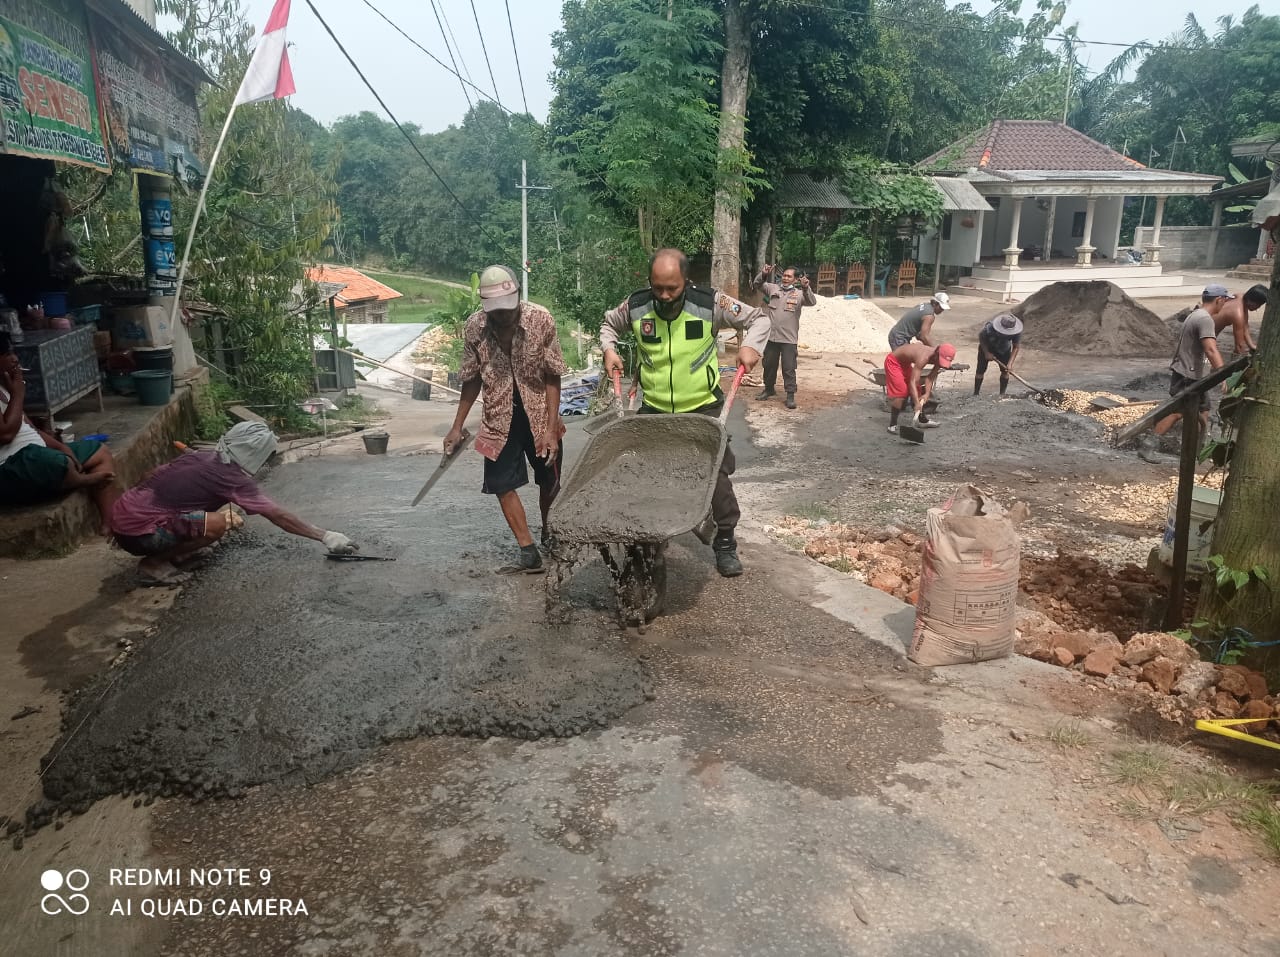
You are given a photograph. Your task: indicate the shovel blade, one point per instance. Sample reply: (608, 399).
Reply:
(911, 434)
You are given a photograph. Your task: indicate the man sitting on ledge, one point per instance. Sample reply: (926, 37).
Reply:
(34, 465)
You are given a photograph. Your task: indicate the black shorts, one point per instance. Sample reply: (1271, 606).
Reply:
(507, 472)
(1178, 382)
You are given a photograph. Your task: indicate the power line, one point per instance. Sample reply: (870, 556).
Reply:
(465, 82)
(405, 133)
(1062, 38)
(444, 12)
(448, 48)
(514, 49)
(484, 48)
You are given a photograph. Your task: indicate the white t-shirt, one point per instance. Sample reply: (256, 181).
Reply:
(26, 434)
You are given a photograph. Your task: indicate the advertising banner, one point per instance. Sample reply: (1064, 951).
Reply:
(152, 123)
(48, 100)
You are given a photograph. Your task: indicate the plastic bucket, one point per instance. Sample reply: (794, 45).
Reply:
(1204, 510)
(153, 386)
(54, 303)
(121, 383)
(375, 443)
(160, 359)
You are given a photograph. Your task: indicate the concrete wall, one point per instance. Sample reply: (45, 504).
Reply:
(961, 249)
(1187, 247)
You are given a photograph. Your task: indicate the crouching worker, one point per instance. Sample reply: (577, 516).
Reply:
(173, 513)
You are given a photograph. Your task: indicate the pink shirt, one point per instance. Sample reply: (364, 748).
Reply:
(193, 482)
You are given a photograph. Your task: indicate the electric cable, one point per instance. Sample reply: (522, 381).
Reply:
(444, 13)
(465, 82)
(498, 244)
(484, 48)
(516, 50)
(448, 49)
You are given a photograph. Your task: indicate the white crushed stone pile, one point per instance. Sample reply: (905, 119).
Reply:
(845, 325)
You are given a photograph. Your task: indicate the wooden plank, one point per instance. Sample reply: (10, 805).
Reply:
(244, 414)
(1217, 377)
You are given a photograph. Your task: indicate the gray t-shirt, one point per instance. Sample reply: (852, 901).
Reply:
(1189, 360)
(908, 327)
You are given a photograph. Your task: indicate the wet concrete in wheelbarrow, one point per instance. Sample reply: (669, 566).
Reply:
(278, 666)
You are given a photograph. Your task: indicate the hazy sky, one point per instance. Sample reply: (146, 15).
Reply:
(419, 91)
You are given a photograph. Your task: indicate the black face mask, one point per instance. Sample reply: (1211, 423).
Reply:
(669, 310)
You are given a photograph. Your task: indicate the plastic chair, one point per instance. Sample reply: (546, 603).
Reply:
(881, 281)
(856, 280)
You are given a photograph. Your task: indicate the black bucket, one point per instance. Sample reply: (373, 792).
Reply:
(160, 360)
(375, 443)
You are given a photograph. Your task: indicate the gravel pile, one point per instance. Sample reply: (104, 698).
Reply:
(845, 325)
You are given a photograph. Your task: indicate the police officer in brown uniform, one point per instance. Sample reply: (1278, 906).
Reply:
(782, 304)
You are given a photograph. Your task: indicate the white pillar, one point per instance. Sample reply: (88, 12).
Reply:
(1263, 237)
(1013, 251)
(1085, 251)
(1151, 255)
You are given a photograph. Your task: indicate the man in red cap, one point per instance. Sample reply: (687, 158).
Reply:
(902, 376)
(511, 350)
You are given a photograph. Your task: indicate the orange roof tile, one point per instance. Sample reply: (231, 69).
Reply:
(359, 287)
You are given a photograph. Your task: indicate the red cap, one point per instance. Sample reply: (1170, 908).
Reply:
(946, 355)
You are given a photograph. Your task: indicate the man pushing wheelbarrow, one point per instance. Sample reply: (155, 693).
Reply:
(675, 326)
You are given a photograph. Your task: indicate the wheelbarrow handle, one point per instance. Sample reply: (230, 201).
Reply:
(733, 393)
(617, 383)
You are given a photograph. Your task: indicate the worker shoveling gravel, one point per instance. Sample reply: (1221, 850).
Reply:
(1092, 319)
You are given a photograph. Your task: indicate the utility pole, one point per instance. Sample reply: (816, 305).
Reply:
(524, 229)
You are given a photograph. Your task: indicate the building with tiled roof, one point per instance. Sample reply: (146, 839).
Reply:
(1058, 198)
(361, 299)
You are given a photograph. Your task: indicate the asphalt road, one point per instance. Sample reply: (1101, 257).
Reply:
(383, 340)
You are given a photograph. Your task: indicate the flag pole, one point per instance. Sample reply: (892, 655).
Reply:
(195, 220)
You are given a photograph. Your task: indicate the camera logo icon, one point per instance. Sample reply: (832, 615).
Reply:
(75, 881)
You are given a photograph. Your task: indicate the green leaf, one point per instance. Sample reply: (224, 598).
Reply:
(1260, 573)
(1239, 578)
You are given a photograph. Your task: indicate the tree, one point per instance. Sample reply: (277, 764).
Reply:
(1245, 534)
(268, 212)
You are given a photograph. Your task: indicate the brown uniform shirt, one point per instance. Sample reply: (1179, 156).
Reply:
(783, 306)
(535, 357)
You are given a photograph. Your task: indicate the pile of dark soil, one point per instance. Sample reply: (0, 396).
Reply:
(1092, 319)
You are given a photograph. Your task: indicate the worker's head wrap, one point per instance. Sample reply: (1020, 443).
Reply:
(248, 444)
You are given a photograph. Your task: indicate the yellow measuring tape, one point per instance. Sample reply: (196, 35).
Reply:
(1223, 727)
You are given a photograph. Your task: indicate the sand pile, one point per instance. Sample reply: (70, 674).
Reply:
(1092, 319)
(845, 325)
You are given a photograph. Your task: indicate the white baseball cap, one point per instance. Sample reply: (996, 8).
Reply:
(499, 289)
(943, 300)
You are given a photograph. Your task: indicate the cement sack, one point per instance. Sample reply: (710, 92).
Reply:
(967, 608)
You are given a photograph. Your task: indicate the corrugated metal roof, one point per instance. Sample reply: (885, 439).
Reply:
(959, 194)
(800, 191)
(123, 15)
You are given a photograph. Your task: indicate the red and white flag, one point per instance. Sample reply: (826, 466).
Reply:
(269, 75)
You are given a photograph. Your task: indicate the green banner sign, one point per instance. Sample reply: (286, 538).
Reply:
(48, 102)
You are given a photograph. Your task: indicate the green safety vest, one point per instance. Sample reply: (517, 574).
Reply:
(678, 367)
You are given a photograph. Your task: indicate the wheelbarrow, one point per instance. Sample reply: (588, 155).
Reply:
(640, 481)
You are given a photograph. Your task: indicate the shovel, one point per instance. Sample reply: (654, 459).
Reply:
(908, 432)
(600, 421)
(1005, 369)
(356, 557)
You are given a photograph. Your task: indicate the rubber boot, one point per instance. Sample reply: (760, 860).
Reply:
(726, 549)
(790, 402)
(768, 393)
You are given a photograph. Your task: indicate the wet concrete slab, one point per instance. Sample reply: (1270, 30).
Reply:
(276, 665)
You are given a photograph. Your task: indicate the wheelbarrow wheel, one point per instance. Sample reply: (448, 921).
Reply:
(642, 583)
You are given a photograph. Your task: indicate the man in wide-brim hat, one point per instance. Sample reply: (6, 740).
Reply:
(999, 342)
